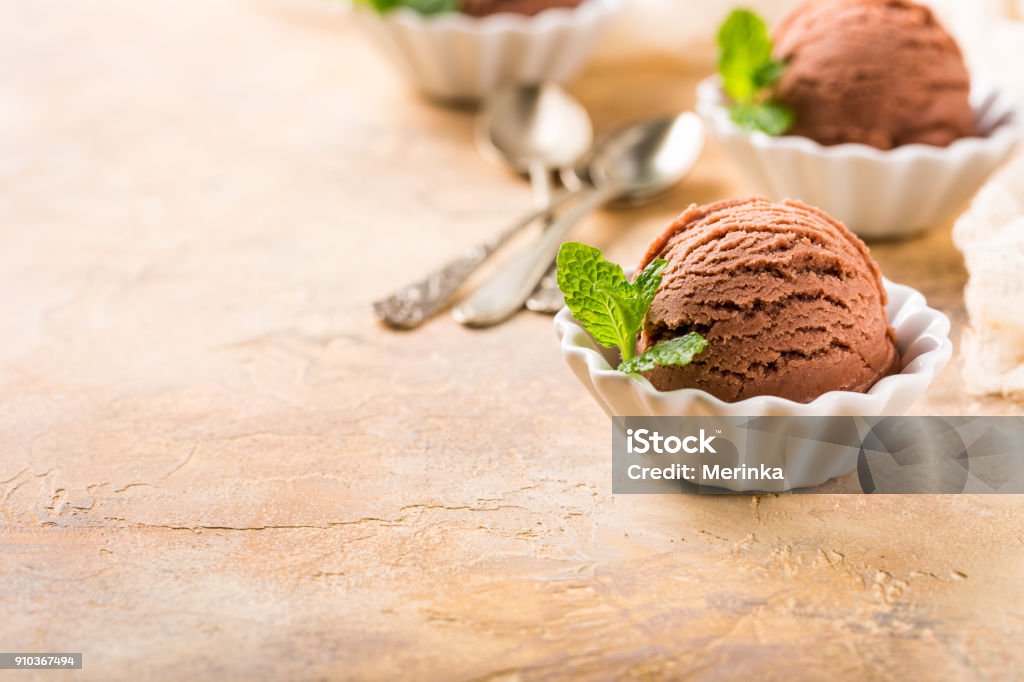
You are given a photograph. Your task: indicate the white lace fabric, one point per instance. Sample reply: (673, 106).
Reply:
(991, 236)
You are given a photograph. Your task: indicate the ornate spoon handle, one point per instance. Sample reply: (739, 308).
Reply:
(506, 291)
(410, 306)
(547, 298)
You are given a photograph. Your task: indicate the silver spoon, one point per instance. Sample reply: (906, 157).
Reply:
(547, 298)
(534, 129)
(634, 164)
(492, 144)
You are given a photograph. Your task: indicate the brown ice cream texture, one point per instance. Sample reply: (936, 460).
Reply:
(790, 301)
(883, 73)
(480, 8)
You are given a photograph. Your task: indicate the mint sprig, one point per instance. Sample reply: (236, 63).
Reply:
(421, 6)
(768, 117)
(748, 73)
(678, 351)
(613, 309)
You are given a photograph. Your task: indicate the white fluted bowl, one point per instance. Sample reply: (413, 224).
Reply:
(454, 56)
(877, 194)
(922, 338)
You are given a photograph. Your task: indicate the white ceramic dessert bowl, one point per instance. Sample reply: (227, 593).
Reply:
(456, 57)
(922, 337)
(877, 194)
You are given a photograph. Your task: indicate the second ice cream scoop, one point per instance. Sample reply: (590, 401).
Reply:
(884, 73)
(483, 8)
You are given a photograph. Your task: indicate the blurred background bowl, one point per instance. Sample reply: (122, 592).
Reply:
(877, 194)
(459, 58)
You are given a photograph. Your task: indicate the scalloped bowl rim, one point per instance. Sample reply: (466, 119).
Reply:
(929, 363)
(709, 102)
(549, 19)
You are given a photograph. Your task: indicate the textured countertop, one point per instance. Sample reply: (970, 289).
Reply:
(215, 465)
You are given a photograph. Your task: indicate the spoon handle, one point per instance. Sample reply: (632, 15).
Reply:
(547, 298)
(504, 294)
(410, 306)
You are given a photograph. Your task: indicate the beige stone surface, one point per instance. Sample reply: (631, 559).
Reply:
(215, 465)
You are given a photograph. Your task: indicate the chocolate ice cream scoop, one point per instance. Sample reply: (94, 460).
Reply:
(480, 8)
(879, 72)
(790, 301)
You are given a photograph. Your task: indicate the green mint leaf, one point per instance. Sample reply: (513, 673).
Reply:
(421, 6)
(647, 282)
(634, 299)
(679, 351)
(381, 6)
(431, 6)
(744, 48)
(613, 309)
(748, 72)
(769, 73)
(596, 292)
(768, 117)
